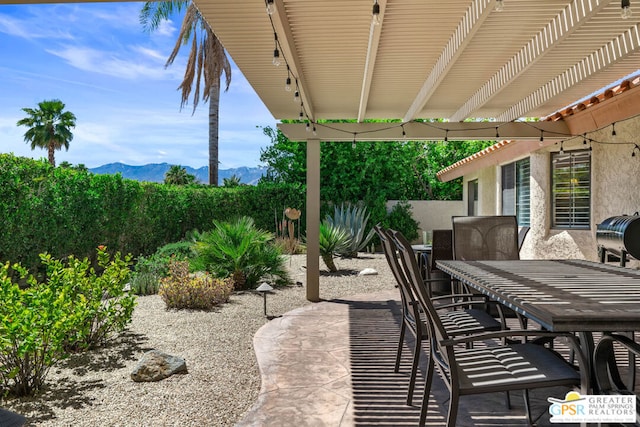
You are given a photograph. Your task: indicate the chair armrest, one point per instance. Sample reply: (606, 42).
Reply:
(604, 362)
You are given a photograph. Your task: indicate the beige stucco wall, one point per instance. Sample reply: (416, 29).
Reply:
(615, 190)
(433, 214)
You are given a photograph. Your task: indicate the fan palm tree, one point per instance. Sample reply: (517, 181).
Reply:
(49, 127)
(206, 63)
(178, 175)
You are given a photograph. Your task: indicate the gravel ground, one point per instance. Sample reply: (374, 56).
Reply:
(95, 388)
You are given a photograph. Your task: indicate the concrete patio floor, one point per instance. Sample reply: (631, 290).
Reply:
(331, 364)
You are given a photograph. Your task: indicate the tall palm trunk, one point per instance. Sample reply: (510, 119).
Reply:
(52, 153)
(214, 107)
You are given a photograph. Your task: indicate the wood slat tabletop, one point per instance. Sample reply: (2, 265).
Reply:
(561, 295)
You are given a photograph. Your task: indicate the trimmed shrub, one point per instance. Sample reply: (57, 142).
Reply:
(193, 291)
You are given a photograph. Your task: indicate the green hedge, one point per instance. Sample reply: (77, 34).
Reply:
(64, 211)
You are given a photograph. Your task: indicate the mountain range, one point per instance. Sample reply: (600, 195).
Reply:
(154, 172)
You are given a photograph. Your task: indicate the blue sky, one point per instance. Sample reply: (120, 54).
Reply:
(110, 74)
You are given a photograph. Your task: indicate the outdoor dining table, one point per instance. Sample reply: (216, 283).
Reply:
(561, 295)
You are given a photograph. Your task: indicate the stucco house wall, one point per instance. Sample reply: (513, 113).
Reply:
(615, 190)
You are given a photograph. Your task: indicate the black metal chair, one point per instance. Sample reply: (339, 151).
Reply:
(464, 320)
(605, 365)
(485, 238)
(487, 368)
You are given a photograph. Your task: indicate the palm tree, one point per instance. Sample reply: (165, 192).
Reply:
(178, 175)
(49, 127)
(233, 181)
(207, 61)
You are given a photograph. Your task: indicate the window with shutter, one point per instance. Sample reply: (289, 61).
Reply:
(515, 191)
(571, 189)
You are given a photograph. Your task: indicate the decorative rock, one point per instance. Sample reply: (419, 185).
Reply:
(368, 272)
(156, 365)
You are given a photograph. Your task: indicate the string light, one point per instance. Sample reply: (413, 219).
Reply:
(287, 84)
(561, 147)
(446, 135)
(497, 133)
(375, 13)
(626, 9)
(404, 134)
(271, 7)
(584, 141)
(308, 129)
(613, 129)
(276, 52)
(296, 95)
(541, 135)
(353, 144)
(314, 130)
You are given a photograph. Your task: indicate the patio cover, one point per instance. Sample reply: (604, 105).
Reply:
(451, 59)
(454, 59)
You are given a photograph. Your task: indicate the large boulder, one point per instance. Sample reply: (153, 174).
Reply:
(156, 365)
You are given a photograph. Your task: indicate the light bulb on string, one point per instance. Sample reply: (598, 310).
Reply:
(315, 133)
(276, 57)
(625, 12)
(271, 7)
(499, 6)
(308, 129)
(613, 129)
(561, 147)
(296, 96)
(584, 141)
(446, 135)
(375, 13)
(497, 133)
(353, 144)
(541, 136)
(287, 84)
(404, 134)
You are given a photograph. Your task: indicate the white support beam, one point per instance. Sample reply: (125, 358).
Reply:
(471, 22)
(558, 29)
(287, 43)
(618, 48)
(370, 62)
(457, 131)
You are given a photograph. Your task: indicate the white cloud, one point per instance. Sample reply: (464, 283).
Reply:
(25, 28)
(166, 28)
(111, 63)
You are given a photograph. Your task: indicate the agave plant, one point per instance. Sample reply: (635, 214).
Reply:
(352, 219)
(333, 240)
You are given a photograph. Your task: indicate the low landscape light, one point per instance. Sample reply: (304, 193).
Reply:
(264, 289)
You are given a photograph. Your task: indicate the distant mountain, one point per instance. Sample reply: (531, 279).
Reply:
(154, 172)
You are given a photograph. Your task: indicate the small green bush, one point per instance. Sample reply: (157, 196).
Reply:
(74, 309)
(333, 240)
(400, 219)
(103, 305)
(148, 271)
(240, 250)
(193, 291)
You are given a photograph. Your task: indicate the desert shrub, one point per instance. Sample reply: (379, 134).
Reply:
(400, 219)
(33, 326)
(240, 250)
(193, 291)
(75, 308)
(148, 271)
(103, 305)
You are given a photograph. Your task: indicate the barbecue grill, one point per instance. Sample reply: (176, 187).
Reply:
(619, 236)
